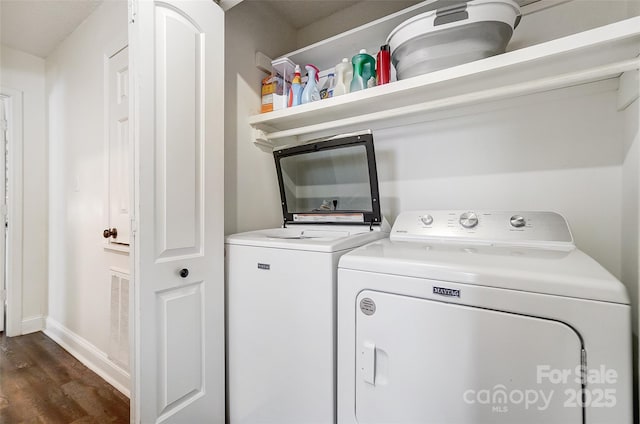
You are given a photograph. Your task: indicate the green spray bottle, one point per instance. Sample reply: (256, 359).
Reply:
(364, 66)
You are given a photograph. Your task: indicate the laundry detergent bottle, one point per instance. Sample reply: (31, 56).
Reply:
(311, 92)
(344, 75)
(296, 88)
(327, 88)
(364, 66)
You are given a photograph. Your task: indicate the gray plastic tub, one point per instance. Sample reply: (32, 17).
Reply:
(452, 36)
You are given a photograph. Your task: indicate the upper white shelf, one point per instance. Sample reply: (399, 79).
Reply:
(590, 56)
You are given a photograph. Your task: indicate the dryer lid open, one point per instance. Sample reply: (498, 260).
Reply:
(331, 180)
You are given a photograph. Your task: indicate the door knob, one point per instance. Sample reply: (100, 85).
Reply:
(110, 232)
(184, 272)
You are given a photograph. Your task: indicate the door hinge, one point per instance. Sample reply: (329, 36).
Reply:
(133, 11)
(3, 295)
(134, 227)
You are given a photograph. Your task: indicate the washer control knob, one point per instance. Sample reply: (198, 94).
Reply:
(468, 219)
(517, 221)
(426, 219)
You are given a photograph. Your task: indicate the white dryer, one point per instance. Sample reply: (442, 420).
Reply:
(485, 317)
(281, 283)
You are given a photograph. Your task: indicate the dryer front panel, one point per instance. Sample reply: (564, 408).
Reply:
(425, 361)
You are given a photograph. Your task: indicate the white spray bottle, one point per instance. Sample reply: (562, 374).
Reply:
(311, 92)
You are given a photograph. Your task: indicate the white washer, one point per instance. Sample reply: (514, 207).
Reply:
(485, 317)
(281, 283)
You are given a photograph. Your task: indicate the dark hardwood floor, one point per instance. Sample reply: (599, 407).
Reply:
(41, 383)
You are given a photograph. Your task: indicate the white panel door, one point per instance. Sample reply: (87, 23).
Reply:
(423, 361)
(177, 64)
(119, 149)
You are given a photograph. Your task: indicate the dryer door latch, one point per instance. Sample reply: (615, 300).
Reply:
(368, 362)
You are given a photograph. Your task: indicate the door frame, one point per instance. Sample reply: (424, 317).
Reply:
(14, 100)
(114, 47)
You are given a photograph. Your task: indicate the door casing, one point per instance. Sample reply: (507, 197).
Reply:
(14, 100)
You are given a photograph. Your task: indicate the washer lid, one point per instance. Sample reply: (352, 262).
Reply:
(569, 273)
(316, 238)
(331, 180)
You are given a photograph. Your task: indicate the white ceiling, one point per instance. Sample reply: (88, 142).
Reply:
(300, 13)
(38, 26)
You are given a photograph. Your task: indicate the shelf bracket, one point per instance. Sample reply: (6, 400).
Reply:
(263, 62)
(261, 140)
(629, 89)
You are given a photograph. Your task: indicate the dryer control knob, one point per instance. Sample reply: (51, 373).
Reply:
(426, 219)
(517, 221)
(468, 220)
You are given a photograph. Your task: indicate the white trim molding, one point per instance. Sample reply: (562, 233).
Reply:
(95, 359)
(32, 324)
(14, 100)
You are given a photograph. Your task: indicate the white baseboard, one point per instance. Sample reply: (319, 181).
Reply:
(32, 324)
(85, 352)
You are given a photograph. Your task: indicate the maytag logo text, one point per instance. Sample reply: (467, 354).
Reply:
(442, 291)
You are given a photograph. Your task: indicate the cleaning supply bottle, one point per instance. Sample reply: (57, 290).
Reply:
(311, 93)
(383, 68)
(327, 88)
(364, 66)
(344, 75)
(295, 92)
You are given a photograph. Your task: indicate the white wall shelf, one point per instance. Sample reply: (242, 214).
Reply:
(594, 55)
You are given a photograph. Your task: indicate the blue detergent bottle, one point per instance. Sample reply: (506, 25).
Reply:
(296, 88)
